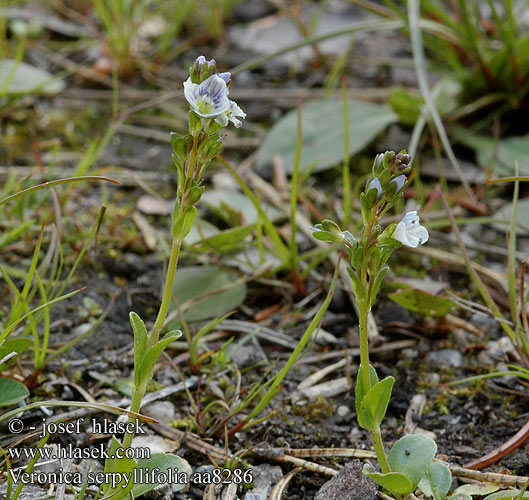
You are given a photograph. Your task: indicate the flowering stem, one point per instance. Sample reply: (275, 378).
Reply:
(168, 289)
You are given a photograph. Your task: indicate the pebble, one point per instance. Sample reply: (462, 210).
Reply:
(343, 410)
(446, 358)
(348, 484)
(265, 476)
(163, 411)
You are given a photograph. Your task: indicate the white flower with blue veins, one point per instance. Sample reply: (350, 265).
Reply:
(233, 114)
(209, 98)
(409, 232)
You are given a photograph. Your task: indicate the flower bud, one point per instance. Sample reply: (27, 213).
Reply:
(374, 190)
(397, 184)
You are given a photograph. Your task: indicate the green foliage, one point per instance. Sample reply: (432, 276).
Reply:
(412, 455)
(323, 137)
(163, 462)
(11, 391)
(437, 480)
(205, 292)
(502, 155)
(371, 409)
(422, 302)
(124, 466)
(18, 78)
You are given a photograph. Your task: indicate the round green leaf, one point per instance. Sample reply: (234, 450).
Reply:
(163, 462)
(204, 292)
(412, 456)
(397, 483)
(12, 391)
(422, 302)
(21, 78)
(323, 133)
(440, 479)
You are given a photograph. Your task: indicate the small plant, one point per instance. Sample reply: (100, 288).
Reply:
(410, 463)
(207, 93)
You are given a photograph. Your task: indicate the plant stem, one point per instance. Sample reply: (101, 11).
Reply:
(376, 436)
(364, 343)
(168, 289)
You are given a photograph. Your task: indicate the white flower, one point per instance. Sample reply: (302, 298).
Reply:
(409, 232)
(209, 98)
(232, 114)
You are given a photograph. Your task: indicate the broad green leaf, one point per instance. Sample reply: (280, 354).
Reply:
(437, 481)
(205, 292)
(12, 391)
(25, 79)
(323, 133)
(480, 489)
(180, 469)
(412, 456)
(396, 482)
(201, 230)
(140, 342)
(506, 495)
(230, 240)
(501, 155)
(461, 496)
(421, 302)
(125, 467)
(218, 200)
(522, 216)
(375, 403)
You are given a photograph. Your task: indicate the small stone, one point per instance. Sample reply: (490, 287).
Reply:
(446, 358)
(348, 484)
(342, 411)
(265, 476)
(155, 443)
(163, 411)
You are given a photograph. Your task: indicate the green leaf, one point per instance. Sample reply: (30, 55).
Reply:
(205, 292)
(476, 489)
(16, 345)
(396, 482)
(405, 104)
(25, 79)
(125, 467)
(140, 342)
(412, 456)
(152, 355)
(323, 135)
(522, 216)
(501, 155)
(163, 462)
(231, 240)
(506, 495)
(422, 302)
(217, 199)
(379, 278)
(358, 288)
(375, 403)
(182, 225)
(437, 481)
(12, 391)
(361, 391)
(461, 496)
